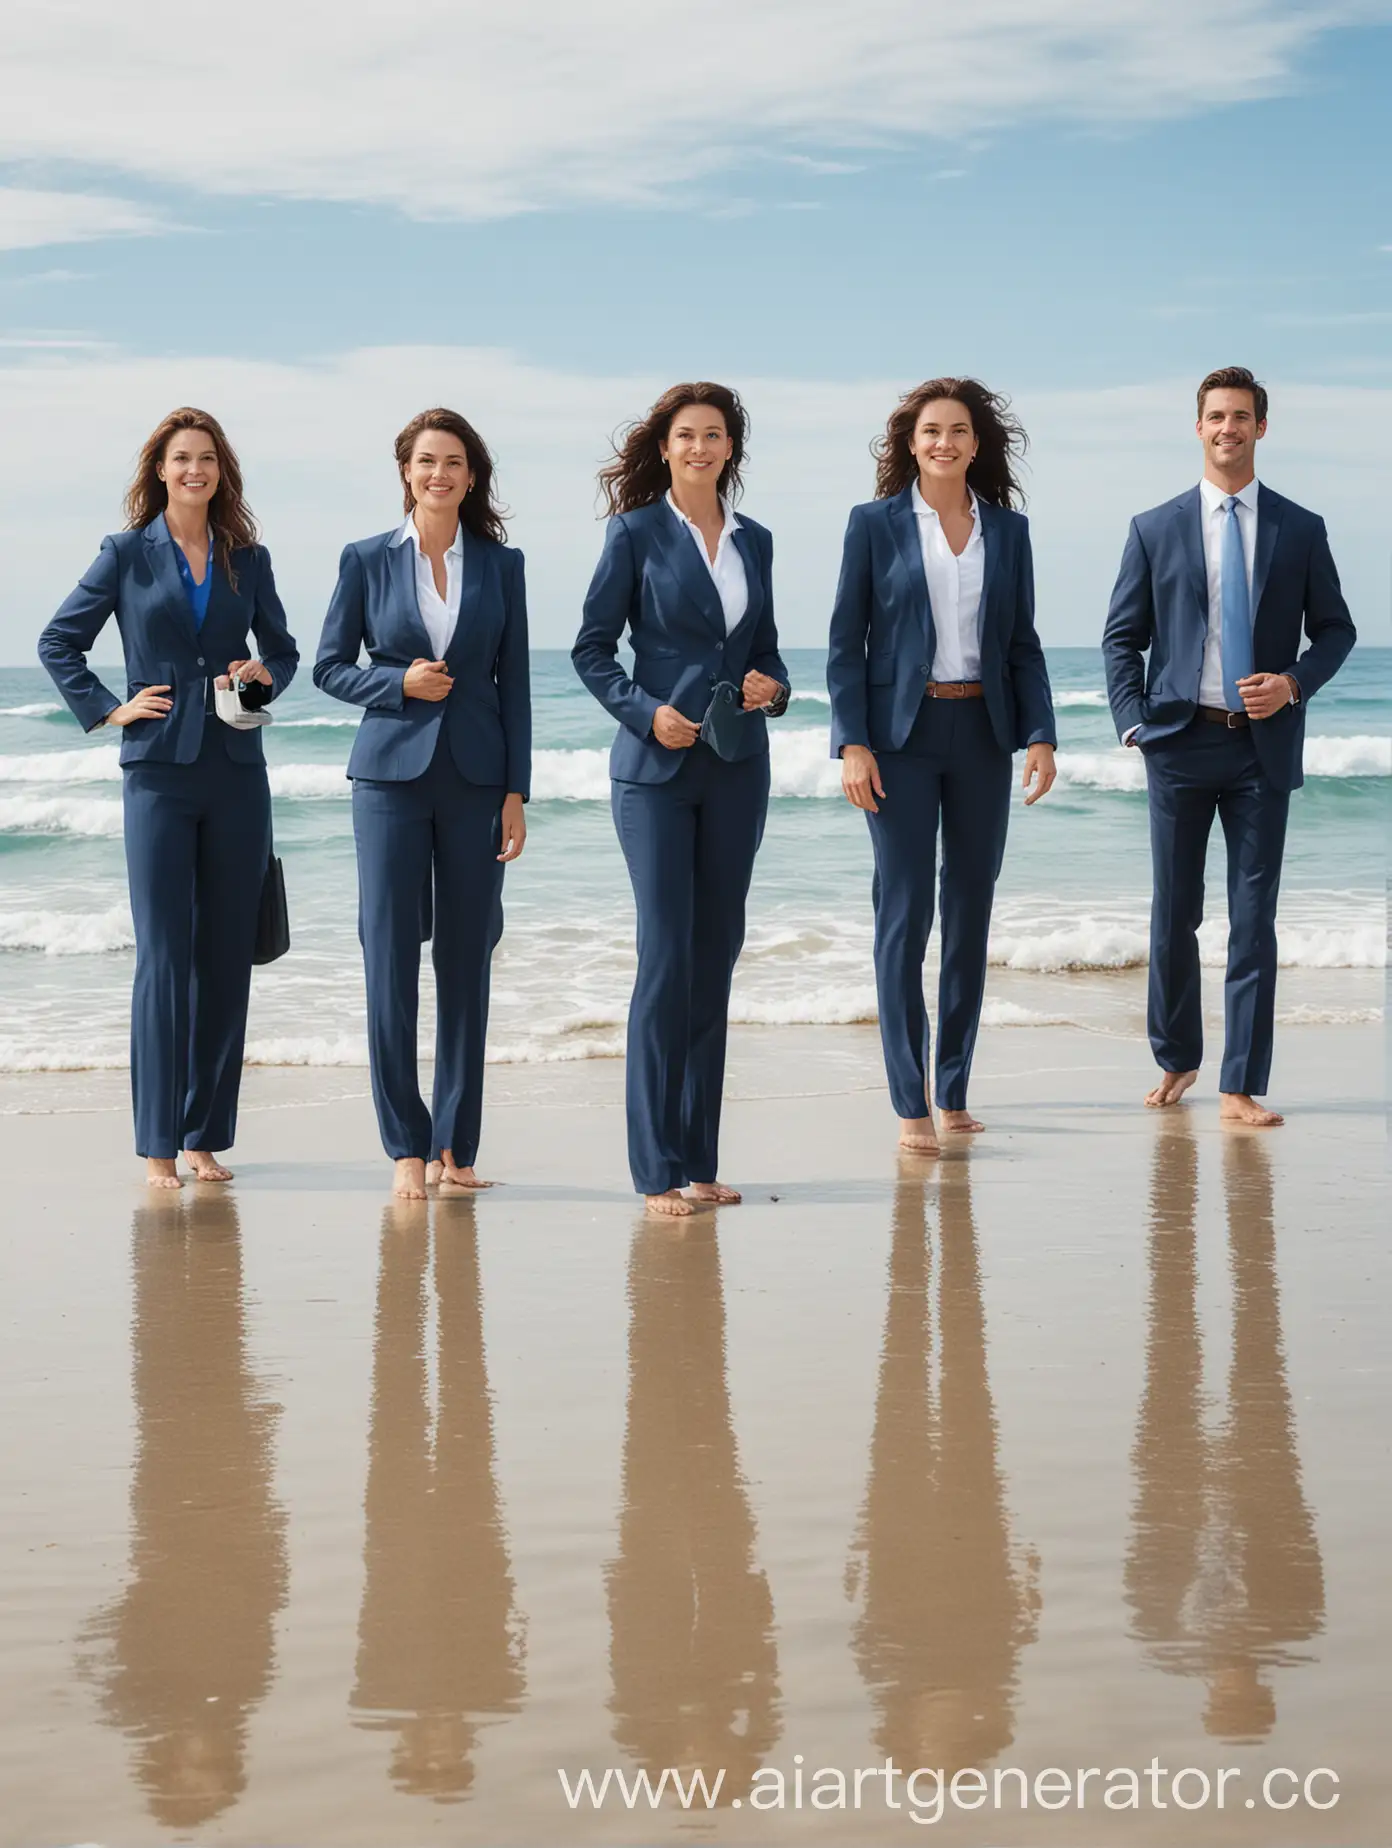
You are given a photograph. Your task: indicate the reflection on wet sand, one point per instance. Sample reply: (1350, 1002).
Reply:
(1223, 1573)
(439, 1638)
(186, 1653)
(693, 1657)
(946, 1606)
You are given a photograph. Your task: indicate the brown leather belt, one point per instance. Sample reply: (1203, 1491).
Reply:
(952, 689)
(1219, 715)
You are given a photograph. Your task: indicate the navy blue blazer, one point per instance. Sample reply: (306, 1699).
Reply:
(487, 714)
(1160, 604)
(650, 580)
(880, 654)
(135, 577)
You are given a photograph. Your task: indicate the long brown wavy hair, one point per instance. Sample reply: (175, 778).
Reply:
(230, 520)
(637, 477)
(479, 513)
(1000, 436)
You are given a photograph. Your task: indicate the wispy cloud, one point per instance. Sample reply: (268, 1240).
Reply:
(31, 218)
(476, 109)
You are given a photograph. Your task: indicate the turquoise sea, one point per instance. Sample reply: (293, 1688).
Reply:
(1069, 937)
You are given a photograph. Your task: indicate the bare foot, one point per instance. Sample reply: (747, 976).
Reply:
(1170, 1089)
(206, 1167)
(433, 1173)
(410, 1179)
(161, 1173)
(917, 1136)
(669, 1205)
(713, 1193)
(959, 1122)
(1238, 1107)
(456, 1176)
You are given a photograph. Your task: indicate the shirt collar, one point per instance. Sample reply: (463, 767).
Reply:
(407, 530)
(924, 511)
(731, 525)
(1214, 496)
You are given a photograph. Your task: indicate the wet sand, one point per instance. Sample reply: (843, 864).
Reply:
(325, 1521)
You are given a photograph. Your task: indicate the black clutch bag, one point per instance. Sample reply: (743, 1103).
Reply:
(273, 918)
(722, 727)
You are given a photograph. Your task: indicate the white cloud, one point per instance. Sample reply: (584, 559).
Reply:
(30, 217)
(476, 109)
(316, 445)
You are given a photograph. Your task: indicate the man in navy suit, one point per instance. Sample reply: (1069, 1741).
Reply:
(1216, 586)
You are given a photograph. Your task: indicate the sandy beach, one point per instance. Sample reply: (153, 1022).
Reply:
(332, 1522)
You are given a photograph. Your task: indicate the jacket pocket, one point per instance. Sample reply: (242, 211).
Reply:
(879, 668)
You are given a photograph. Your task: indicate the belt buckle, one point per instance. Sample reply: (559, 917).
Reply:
(1233, 722)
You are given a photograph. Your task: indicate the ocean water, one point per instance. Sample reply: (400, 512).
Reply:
(1068, 942)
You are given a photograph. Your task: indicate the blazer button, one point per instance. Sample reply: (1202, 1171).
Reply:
(200, 660)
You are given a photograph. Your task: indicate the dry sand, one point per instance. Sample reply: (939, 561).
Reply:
(328, 1522)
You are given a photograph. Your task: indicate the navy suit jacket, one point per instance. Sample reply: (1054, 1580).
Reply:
(135, 577)
(1160, 604)
(880, 655)
(650, 580)
(487, 714)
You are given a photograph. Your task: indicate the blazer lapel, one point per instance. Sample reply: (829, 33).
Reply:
(688, 569)
(904, 525)
(753, 577)
(474, 580)
(1189, 523)
(401, 569)
(164, 567)
(991, 541)
(1269, 509)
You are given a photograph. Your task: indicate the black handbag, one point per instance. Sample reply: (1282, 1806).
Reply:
(723, 726)
(273, 917)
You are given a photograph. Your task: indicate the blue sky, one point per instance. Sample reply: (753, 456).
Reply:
(1087, 205)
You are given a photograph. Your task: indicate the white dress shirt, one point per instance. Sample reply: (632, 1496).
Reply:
(954, 592)
(439, 614)
(727, 567)
(1215, 519)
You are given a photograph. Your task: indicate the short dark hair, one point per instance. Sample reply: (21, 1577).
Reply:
(1235, 378)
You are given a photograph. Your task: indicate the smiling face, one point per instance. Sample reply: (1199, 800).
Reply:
(189, 469)
(1229, 432)
(943, 441)
(697, 446)
(438, 475)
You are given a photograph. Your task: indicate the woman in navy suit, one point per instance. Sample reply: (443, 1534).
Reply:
(441, 767)
(692, 584)
(185, 581)
(936, 676)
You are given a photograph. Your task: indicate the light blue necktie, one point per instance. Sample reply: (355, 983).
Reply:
(1237, 609)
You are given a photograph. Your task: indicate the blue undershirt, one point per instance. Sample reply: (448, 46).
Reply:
(198, 594)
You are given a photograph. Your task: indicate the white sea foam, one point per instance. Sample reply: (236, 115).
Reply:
(100, 764)
(41, 709)
(1304, 1016)
(1091, 697)
(1121, 770)
(570, 776)
(330, 721)
(1107, 943)
(309, 782)
(88, 816)
(1361, 755)
(25, 1056)
(67, 933)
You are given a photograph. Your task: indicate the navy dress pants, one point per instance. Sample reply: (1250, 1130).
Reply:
(437, 826)
(197, 839)
(1191, 776)
(690, 845)
(950, 769)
